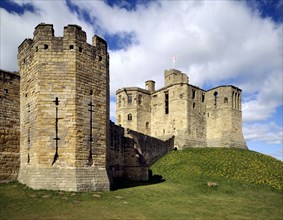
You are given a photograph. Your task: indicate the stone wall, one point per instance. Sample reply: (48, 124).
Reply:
(9, 125)
(130, 153)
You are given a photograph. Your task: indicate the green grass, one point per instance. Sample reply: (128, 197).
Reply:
(249, 187)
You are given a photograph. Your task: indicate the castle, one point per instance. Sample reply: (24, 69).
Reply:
(197, 118)
(55, 127)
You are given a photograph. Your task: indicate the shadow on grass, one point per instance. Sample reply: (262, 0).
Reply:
(122, 183)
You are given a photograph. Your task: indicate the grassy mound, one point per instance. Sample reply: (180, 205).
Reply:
(233, 164)
(249, 187)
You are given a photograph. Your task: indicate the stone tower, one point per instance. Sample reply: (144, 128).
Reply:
(64, 110)
(133, 109)
(224, 117)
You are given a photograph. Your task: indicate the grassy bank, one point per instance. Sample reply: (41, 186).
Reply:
(249, 187)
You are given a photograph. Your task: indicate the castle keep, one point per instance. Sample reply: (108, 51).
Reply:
(197, 118)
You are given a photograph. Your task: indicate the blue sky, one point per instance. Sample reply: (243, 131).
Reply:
(215, 42)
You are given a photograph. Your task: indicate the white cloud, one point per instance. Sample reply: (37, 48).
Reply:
(267, 132)
(268, 98)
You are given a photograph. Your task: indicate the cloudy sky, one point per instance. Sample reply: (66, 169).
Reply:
(215, 42)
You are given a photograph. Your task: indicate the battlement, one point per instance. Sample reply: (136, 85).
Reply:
(99, 42)
(73, 43)
(74, 32)
(43, 31)
(174, 76)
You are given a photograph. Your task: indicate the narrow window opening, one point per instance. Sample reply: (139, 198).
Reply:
(80, 49)
(6, 91)
(233, 99)
(139, 99)
(91, 140)
(147, 125)
(36, 48)
(130, 117)
(166, 103)
(100, 58)
(29, 136)
(194, 94)
(71, 47)
(56, 131)
(239, 103)
(91, 92)
(225, 100)
(215, 98)
(45, 46)
(202, 97)
(119, 101)
(130, 99)
(194, 105)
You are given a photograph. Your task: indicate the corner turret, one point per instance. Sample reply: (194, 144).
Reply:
(150, 85)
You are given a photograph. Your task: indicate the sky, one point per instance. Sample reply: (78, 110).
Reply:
(216, 42)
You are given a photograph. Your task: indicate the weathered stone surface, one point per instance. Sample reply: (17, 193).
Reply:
(130, 153)
(9, 125)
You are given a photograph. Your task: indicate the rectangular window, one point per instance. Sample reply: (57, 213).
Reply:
(119, 101)
(193, 94)
(139, 99)
(166, 103)
(130, 99)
